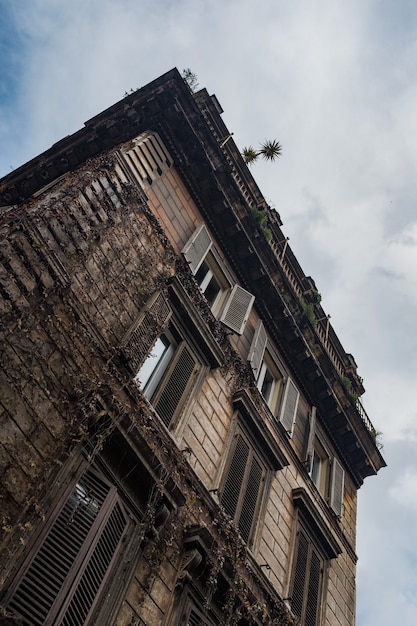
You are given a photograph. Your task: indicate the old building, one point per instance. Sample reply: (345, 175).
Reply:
(182, 438)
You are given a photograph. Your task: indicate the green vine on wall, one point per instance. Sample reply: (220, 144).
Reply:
(261, 218)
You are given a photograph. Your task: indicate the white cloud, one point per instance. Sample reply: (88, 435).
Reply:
(404, 490)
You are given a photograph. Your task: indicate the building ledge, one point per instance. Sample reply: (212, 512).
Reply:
(323, 533)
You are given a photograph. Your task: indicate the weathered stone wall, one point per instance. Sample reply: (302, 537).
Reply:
(76, 267)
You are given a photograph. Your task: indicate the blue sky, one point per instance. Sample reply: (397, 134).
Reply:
(336, 84)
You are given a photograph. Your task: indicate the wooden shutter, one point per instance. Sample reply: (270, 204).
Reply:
(311, 438)
(70, 566)
(237, 308)
(250, 498)
(175, 383)
(100, 560)
(242, 489)
(300, 573)
(233, 485)
(142, 335)
(257, 349)
(313, 589)
(289, 405)
(336, 488)
(307, 580)
(195, 618)
(197, 247)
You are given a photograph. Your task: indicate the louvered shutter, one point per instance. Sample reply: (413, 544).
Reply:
(197, 247)
(242, 489)
(196, 619)
(237, 308)
(94, 574)
(250, 498)
(175, 384)
(313, 589)
(300, 573)
(337, 485)
(73, 560)
(311, 438)
(307, 579)
(257, 349)
(151, 321)
(233, 485)
(289, 406)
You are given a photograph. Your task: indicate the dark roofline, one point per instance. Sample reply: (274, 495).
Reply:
(120, 122)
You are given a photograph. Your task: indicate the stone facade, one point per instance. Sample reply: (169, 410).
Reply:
(181, 441)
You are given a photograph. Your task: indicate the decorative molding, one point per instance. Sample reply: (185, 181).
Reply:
(264, 437)
(315, 522)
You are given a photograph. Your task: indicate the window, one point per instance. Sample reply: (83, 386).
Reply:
(269, 382)
(229, 302)
(320, 465)
(139, 338)
(156, 363)
(163, 363)
(307, 579)
(167, 374)
(280, 393)
(62, 582)
(243, 485)
(324, 469)
(213, 284)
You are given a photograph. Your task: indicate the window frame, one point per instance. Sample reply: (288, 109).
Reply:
(320, 468)
(157, 372)
(165, 318)
(275, 393)
(233, 303)
(174, 376)
(241, 505)
(283, 402)
(330, 481)
(214, 272)
(306, 600)
(76, 578)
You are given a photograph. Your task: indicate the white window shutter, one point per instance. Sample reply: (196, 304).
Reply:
(257, 349)
(311, 437)
(237, 308)
(337, 486)
(197, 247)
(289, 406)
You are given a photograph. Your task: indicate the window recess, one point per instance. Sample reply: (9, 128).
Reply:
(253, 456)
(279, 392)
(164, 364)
(315, 545)
(324, 469)
(138, 340)
(65, 576)
(243, 485)
(168, 374)
(307, 582)
(229, 302)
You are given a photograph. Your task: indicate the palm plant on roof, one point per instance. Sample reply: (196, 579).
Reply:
(269, 150)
